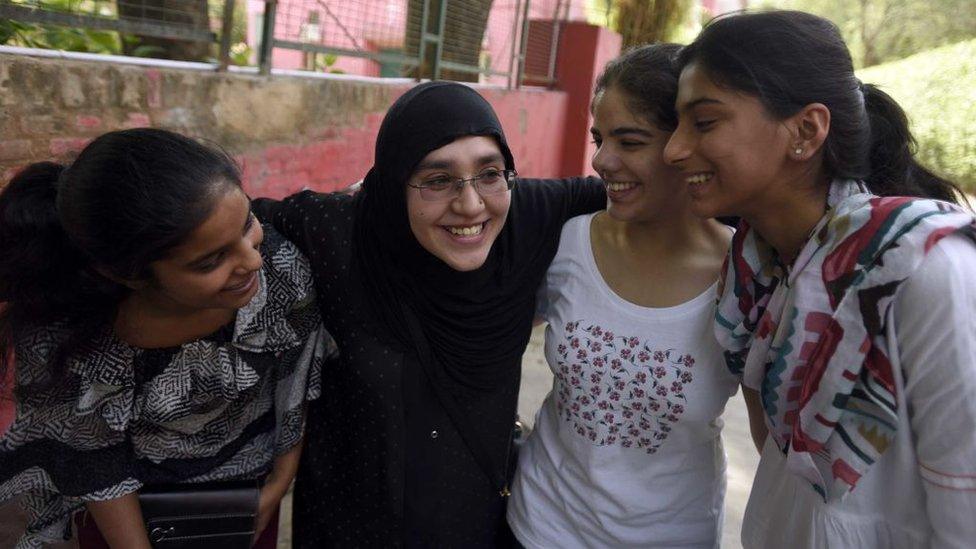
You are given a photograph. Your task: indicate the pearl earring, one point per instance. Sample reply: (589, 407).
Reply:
(798, 151)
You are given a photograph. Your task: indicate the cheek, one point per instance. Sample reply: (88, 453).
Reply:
(498, 206)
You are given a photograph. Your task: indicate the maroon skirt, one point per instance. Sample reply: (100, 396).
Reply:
(89, 537)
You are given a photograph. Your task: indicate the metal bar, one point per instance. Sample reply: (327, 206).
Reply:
(225, 31)
(460, 67)
(127, 25)
(267, 36)
(319, 48)
(524, 43)
(557, 27)
(440, 39)
(511, 57)
(422, 42)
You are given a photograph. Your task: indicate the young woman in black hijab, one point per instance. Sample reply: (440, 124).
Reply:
(428, 285)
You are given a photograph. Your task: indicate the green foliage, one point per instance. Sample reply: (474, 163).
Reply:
(878, 31)
(33, 35)
(645, 21)
(937, 89)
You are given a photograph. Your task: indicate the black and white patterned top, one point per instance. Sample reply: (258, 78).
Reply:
(221, 407)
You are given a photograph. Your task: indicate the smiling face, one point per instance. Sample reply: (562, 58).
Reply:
(459, 232)
(640, 185)
(216, 267)
(732, 153)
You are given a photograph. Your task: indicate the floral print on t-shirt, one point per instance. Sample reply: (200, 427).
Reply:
(615, 389)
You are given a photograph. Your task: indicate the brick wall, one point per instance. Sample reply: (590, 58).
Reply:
(288, 132)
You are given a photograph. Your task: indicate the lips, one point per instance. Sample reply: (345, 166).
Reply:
(244, 286)
(466, 233)
(698, 182)
(620, 190)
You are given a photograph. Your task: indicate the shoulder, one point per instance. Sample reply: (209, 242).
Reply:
(284, 311)
(944, 278)
(284, 264)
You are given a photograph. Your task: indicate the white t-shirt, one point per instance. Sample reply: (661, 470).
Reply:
(626, 449)
(921, 493)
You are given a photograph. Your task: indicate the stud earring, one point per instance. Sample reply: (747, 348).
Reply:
(798, 151)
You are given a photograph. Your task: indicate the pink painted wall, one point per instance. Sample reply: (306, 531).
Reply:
(371, 25)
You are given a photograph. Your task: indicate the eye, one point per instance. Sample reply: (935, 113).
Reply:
(438, 183)
(704, 125)
(491, 177)
(211, 263)
(630, 144)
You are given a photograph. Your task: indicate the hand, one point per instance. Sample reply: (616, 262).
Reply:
(267, 505)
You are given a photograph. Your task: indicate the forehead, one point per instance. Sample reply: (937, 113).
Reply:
(695, 83)
(464, 151)
(228, 213)
(613, 107)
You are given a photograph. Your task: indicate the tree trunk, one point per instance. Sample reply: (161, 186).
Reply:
(192, 13)
(464, 30)
(649, 21)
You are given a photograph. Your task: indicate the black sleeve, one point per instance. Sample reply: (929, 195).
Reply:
(289, 216)
(552, 202)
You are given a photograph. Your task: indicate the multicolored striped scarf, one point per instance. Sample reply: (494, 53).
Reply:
(812, 338)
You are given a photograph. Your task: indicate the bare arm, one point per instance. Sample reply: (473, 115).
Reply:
(120, 522)
(276, 485)
(757, 420)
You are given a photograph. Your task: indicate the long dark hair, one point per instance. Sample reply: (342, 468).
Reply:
(790, 59)
(648, 76)
(69, 233)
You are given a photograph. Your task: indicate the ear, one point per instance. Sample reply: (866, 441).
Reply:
(130, 284)
(809, 129)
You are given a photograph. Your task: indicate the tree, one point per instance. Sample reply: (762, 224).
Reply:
(191, 13)
(647, 21)
(878, 31)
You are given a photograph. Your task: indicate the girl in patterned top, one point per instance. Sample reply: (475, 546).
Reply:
(847, 300)
(157, 334)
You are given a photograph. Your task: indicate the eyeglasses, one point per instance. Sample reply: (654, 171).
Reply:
(488, 182)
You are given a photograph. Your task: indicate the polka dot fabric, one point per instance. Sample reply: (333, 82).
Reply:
(384, 465)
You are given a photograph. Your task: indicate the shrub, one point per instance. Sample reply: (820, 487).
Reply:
(937, 88)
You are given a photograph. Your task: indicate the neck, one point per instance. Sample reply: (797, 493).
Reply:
(148, 322)
(785, 219)
(665, 235)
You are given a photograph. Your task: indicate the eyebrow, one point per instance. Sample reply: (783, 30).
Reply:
(616, 132)
(700, 101)
(447, 164)
(248, 222)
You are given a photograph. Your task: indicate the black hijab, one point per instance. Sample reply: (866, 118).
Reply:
(463, 325)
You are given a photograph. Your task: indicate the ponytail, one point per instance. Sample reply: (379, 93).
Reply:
(129, 198)
(44, 278)
(894, 170)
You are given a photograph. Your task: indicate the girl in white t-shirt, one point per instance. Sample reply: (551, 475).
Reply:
(626, 451)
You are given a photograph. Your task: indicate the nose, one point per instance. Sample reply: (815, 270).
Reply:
(250, 258)
(678, 148)
(604, 161)
(469, 203)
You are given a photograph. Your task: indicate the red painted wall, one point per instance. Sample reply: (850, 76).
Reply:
(583, 51)
(533, 119)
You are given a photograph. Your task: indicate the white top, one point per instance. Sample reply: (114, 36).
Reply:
(626, 449)
(922, 492)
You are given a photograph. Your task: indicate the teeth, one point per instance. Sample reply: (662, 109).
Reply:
(466, 231)
(698, 178)
(617, 187)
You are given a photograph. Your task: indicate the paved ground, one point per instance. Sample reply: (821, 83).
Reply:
(536, 382)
